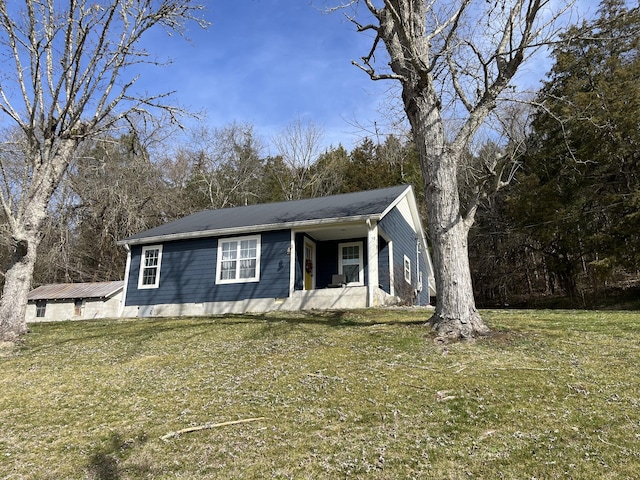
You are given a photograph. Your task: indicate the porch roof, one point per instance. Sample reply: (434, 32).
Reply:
(331, 210)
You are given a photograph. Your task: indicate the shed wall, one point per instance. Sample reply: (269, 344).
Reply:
(59, 310)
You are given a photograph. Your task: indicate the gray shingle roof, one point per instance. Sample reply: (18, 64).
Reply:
(344, 207)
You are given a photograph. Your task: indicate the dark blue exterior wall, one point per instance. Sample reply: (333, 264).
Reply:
(405, 242)
(188, 273)
(326, 259)
(383, 265)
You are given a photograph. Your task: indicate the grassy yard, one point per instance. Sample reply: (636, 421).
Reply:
(365, 394)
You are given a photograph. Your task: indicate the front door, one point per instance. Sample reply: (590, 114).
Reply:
(309, 264)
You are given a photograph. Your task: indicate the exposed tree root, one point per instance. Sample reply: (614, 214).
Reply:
(455, 329)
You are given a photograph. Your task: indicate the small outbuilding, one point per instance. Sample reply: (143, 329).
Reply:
(74, 301)
(353, 250)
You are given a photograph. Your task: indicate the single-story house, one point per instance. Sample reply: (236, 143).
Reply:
(353, 250)
(74, 301)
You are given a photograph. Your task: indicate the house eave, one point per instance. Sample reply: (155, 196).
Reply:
(221, 232)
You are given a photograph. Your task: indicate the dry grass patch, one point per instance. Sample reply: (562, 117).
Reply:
(363, 394)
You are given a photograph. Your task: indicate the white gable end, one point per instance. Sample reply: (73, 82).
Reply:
(405, 210)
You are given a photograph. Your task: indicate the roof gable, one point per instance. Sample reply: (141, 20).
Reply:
(335, 208)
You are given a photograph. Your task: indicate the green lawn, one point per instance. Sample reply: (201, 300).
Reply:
(365, 394)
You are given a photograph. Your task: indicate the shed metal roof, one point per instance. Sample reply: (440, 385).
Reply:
(64, 291)
(331, 209)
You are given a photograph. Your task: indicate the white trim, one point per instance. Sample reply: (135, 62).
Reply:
(307, 240)
(406, 268)
(392, 279)
(143, 266)
(125, 287)
(360, 261)
(222, 232)
(255, 278)
(372, 261)
(398, 199)
(292, 264)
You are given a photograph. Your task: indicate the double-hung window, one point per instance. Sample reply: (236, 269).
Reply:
(238, 260)
(150, 260)
(350, 262)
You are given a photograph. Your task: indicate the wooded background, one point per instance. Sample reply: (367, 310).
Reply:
(566, 227)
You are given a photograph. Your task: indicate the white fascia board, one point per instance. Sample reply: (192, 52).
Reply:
(398, 200)
(415, 213)
(249, 229)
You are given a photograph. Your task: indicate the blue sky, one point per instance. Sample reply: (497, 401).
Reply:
(268, 62)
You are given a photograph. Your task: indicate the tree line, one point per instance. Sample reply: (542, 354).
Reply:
(569, 224)
(119, 186)
(566, 225)
(546, 204)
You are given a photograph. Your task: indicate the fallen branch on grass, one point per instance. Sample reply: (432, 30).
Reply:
(208, 426)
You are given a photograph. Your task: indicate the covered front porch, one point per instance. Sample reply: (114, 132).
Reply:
(346, 265)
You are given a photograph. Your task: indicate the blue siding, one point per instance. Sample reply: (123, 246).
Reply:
(326, 260)
(188, 273)
(383, 265)
(405, 241)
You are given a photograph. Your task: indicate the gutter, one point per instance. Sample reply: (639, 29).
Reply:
(247, 229)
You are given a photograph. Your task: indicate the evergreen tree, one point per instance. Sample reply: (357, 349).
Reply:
(578, 203)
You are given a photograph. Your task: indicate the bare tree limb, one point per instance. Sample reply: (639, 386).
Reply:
(209, 426)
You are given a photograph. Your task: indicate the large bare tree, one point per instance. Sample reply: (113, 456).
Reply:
(68, 75)
(454, 61)
(299, 147)
(226, 165)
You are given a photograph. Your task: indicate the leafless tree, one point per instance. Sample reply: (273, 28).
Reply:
(454, 61)
(299, 146)
(68, 75)
(226, 165)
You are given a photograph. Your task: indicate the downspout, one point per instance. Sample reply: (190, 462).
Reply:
(126, 280)
(418, 289)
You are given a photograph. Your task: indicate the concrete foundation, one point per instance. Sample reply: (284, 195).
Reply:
(325, 299)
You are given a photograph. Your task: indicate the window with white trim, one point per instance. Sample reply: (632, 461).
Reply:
(238, 260)
(407, 269)
(150, 261)
(350, 262)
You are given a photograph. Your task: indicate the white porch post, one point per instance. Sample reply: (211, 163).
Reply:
(292, 264)
(127, 268)
(372, 260)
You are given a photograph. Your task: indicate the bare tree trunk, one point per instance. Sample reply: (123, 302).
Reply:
(457, 56)
(66, 79)
(17, 284)
(456, 315)
(26, 234)
(26, 238)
